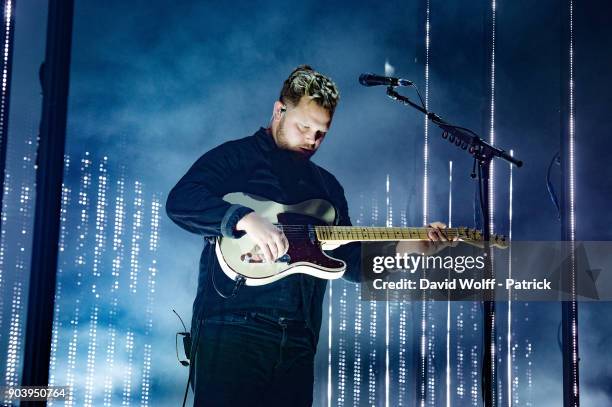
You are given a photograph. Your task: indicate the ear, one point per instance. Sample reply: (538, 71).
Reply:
(279, 109)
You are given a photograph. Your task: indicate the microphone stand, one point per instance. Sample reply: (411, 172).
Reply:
(483, 154)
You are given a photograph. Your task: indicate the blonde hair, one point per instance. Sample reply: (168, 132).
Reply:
(305, 81)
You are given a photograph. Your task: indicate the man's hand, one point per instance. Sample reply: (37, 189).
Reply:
(271, 240)
(438, 240)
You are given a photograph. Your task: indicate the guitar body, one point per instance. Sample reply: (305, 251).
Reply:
(305, 254)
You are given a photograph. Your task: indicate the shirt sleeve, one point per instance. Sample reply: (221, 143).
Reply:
(195, 203)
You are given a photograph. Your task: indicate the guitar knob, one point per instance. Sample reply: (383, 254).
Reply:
(285, 258)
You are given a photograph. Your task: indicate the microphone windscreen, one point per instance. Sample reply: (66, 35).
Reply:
(364, 79)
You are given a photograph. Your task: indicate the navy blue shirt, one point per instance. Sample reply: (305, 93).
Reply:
(255, 165)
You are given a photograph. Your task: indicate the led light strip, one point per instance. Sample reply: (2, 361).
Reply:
(509, 336)
(492, 122)
(572, 209)
(491, 199)
(448, 303)
(16, 324)
(423, 354)
(329, 346)
(426, 140)
(450, 194)
(572, 129)
(389, 224)
(8, 15)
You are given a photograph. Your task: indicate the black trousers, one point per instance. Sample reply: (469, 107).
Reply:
(246, 359)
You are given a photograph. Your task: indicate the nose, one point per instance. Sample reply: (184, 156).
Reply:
(310, 138)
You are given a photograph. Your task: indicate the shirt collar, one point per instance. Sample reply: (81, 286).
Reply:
(266, 139)
(268, 143)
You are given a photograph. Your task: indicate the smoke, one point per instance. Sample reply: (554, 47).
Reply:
(155, 85)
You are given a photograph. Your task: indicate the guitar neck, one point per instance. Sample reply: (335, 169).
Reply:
(343, 234)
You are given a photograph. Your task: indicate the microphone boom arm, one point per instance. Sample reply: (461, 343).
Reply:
(464, 138)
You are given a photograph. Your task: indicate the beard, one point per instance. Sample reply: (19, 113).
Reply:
(283, 143)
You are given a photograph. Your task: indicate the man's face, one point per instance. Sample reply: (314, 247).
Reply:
(301, 128)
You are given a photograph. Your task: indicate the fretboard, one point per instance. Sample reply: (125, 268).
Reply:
(357, 233)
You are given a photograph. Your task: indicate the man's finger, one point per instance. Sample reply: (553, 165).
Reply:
(440, 225)
(274, 249)
(265, 248)
(278, 245)
(285, 242)
(432, 235)
(442, 235)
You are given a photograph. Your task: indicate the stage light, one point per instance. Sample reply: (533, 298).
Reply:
(492, 121)
(448, 303)
(426, 135)
(423, 355)
(509, 334)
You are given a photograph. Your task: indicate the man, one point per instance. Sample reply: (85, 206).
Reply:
(257, 344)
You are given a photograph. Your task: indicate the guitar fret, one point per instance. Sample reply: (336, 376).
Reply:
(361, 233)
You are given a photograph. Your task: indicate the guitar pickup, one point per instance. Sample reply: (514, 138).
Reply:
(257, 259)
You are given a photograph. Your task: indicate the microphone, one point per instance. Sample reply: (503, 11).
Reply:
(370, 79)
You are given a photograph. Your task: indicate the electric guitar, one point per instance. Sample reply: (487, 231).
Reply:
(307, 226)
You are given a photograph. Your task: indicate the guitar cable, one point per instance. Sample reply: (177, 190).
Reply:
(186, 342)
(240, 281)
(196, 335)
(549, 185)
(192, 357)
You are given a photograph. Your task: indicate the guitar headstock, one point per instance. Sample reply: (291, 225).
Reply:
(475, 238)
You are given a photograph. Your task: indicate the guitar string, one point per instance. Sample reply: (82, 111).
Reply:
(371, 231)
(397, 233)
(353, 229)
